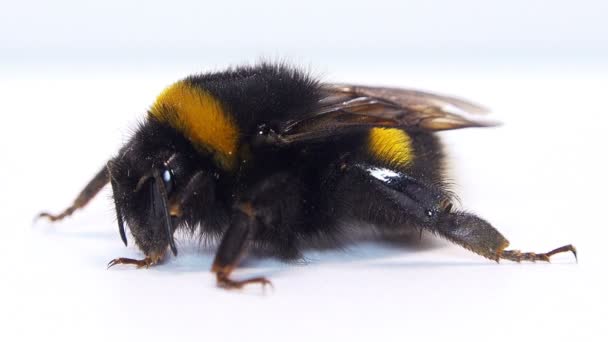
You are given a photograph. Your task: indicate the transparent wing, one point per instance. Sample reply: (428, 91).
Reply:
(345, 108)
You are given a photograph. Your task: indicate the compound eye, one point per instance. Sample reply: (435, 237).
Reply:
(263, 129)
(168, 179)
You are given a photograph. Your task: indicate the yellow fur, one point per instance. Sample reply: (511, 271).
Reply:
(391, 145)
(202, 120)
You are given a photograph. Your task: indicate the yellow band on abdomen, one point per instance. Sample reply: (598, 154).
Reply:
(392, 146)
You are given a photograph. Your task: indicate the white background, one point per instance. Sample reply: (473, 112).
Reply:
(76, 76)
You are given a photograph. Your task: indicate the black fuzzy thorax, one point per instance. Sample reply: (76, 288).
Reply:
(265, 93)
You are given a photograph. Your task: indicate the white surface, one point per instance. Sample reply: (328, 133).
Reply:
(539, 179)
(75, 77)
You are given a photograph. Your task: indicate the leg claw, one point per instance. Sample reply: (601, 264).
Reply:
(54, 218)
(229, 284)
(146, 262)
(518, 256)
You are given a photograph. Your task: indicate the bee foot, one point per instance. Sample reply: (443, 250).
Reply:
(229, 284)
(518, 256)
(52, 217)
(146, 262)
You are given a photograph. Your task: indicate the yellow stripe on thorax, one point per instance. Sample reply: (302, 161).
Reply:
(201, 118)
(391, 145)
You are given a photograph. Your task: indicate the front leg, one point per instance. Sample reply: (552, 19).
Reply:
(146, 262)
(86, 195)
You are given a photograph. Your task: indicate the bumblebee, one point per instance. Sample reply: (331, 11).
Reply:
(267, 159)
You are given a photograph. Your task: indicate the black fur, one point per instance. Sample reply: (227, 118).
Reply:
(266, 93)
(285, 196)
(302, 194)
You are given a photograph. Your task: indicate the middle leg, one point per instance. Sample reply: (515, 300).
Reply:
(267, 213)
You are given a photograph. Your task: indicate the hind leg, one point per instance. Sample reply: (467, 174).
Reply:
(518, 256)
(479, 236)
(390, 198)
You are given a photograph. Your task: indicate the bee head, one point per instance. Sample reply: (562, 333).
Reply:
(150, 178)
